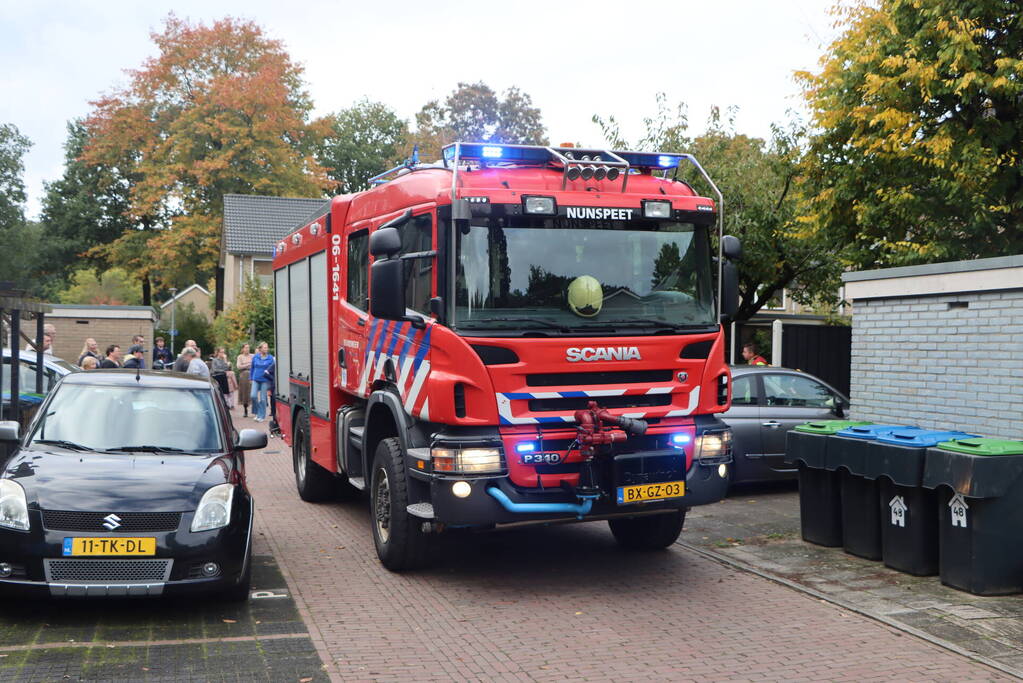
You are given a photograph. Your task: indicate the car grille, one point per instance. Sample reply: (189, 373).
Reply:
(108, 571)
(67, 520)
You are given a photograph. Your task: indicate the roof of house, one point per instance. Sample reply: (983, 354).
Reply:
(253, 224)
(183, 292)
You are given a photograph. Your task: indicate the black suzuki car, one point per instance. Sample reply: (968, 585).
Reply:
(128, 484)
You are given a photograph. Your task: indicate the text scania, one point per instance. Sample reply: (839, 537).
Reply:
(598, 213)
(591, 353)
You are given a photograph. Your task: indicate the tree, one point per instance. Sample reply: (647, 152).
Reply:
(474, 113)
(760, 182)
(86, 208)
(365, 140)
(250, 318)
(916, 156)
(221, 109)
(115, 287)
(190, 324)
(17, 237)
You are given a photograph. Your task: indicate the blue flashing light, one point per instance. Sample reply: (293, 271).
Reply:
(525, 447)
(505, 153)
(666, 162)
(680, 440)
(492, 152)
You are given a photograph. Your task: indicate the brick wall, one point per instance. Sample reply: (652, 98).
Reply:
(949, 361)
(72, 333)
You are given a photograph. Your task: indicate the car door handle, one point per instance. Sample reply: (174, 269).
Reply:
(771, 423)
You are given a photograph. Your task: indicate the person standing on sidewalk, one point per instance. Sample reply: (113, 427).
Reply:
(244, 365)
(161, 355)
(196, 366)
(749, 352)
(261, 363)
(113, 359)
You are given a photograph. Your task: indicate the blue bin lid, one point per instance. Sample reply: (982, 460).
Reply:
(870, 431)
(921, 438)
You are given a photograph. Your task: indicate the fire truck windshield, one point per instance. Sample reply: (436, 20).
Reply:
(554, 274)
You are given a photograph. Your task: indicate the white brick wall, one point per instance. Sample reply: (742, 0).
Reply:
(917, 361)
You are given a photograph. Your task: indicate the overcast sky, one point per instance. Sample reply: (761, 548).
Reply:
(575, 59)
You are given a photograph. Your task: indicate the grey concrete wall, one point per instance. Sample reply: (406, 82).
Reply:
(918, 360)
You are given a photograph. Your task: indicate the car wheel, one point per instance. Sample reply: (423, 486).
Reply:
(648, 533)
(241, 590)
(398, 536)
(314, 483)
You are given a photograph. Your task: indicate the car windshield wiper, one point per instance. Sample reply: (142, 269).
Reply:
(70, 445)
(146, 449)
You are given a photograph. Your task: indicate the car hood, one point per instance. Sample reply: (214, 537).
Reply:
(123, 482)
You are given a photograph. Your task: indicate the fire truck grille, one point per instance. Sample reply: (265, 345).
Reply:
(581, 379)
(111, 571)
(561, 405)
(69, 520)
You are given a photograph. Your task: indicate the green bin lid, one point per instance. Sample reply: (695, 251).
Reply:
(983, 446)
(828, 426)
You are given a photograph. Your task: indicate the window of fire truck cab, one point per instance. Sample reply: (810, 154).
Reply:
(514, 273)
(358, 270)
(417, 236)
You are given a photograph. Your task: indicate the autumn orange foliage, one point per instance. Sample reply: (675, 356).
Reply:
(221, 109)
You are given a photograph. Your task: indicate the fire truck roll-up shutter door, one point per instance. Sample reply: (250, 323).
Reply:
(300, 359)
(319, 322)
(282, 314)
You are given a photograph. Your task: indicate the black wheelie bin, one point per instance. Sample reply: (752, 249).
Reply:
(980, 503)
(909, 513)
(848, 452)
(820, 507)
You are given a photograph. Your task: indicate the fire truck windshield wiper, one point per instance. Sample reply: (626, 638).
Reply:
(516, 319)
(651, 322)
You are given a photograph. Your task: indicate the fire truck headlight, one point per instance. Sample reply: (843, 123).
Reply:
(461, 489)
(467, 460)
(541, 205)
(714, 445)
(656, 209)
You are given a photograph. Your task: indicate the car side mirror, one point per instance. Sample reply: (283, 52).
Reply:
(731, 247)
(250, 440)
(387, 289)
(9, 430)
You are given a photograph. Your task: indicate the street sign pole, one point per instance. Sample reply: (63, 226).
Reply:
(173, 329)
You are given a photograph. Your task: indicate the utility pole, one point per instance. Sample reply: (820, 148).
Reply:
(173, 330)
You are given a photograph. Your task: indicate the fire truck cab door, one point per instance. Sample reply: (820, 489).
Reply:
(353, 316)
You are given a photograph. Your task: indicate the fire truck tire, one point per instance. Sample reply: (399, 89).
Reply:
(314, 483)
(648, 533)
(398, 536)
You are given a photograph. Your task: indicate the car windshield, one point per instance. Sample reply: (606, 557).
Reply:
(562, 275)
(130, 419)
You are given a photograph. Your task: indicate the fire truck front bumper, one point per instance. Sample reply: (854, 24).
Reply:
(488, 501)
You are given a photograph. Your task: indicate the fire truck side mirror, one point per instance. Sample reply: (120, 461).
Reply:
(729, 291)
(731, 247)
(385, 242)
(387, 289)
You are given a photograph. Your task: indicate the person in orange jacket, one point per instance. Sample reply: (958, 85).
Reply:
(749, 352)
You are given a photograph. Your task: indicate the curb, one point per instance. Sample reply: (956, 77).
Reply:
(923, 635)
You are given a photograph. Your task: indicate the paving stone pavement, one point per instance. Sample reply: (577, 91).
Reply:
(561, 603)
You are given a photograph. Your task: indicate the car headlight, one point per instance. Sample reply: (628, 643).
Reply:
(714, 445)
(467, 460)
(214, 509)
(13, 506)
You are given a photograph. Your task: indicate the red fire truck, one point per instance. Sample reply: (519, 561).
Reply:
(515, 334)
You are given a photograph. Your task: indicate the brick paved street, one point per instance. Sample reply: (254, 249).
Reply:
(561, 603)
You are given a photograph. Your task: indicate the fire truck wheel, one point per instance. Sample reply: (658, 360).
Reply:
(648, 533)
(314, 483)
(399, 539)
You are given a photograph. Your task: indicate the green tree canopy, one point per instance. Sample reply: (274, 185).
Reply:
(759, 181)
(114, 287)
(18, 238)
(250, 319)
(366, 139)
(917, 150)
(474, 112)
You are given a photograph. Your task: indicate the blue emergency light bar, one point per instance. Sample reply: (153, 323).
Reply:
(532, 154)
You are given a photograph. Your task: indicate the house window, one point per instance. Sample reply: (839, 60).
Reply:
(778, 302)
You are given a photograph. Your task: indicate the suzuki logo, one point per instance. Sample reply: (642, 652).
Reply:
(591, 353)
(111, 521)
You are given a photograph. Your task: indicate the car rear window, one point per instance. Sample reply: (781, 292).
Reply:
(111, 417)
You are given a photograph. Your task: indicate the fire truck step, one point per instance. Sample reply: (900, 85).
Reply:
(358, 482)
(421, 510)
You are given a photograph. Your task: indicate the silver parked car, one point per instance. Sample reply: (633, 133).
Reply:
(766, 403)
